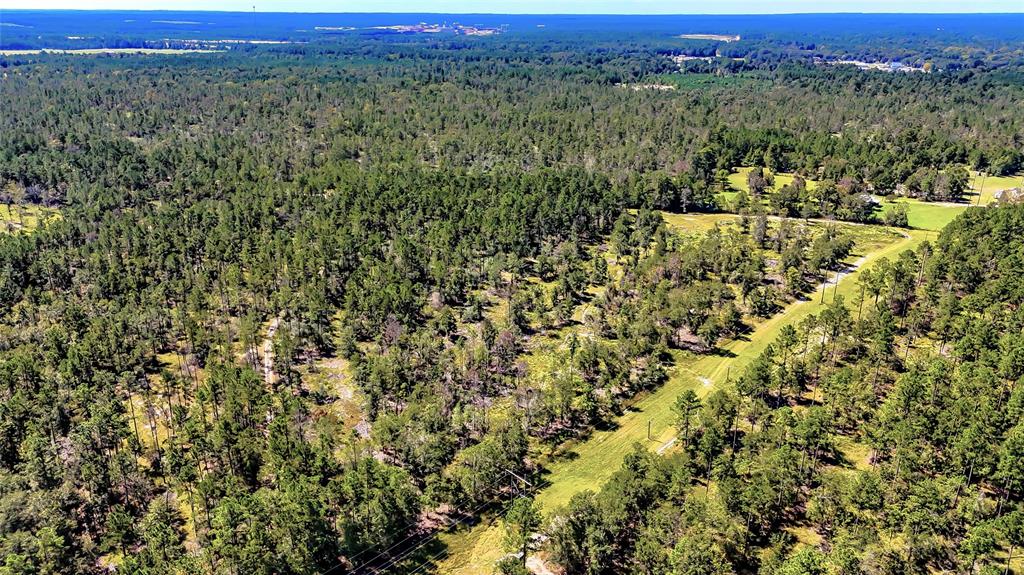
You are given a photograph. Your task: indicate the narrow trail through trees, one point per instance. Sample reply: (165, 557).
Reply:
(268, 351)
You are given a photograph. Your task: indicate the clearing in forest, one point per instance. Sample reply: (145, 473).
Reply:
(714, 37)
(921, 215)
(23, 218)
(989, 185)
(649, 420)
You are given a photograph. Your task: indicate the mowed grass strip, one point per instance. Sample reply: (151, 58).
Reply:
(926, 215)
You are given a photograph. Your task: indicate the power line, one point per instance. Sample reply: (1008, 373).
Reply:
(490, 487)
(341, 564)
(426, 539)
(430, 536)
(374, 546)
(444, 551)
(437, 555)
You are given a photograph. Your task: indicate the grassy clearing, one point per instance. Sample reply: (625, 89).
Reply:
(738, 180)
(868, 237)
(856, 455)
(589, 464)
(338, 402)
(329, 381)
(925, 215)
(989, 185)
(24, 218)
(922, 215)
(473, 550)
(148, 414)
(696, 223)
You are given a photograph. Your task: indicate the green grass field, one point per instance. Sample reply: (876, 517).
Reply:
(738, 180)
(696, 223)
(989, 185)
(921, 215)
(925, 215)
(589, 464)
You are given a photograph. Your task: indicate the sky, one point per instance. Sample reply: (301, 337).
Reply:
(539, 6)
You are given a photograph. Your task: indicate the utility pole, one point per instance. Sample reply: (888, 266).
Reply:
(860, 307)
(513, 476)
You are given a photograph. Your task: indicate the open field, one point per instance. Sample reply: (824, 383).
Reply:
(589, 464)
(920, 215)
(715, 37)
(696, 223)
(989, 185)
(926, 215)
(15, 218)
(737, 182)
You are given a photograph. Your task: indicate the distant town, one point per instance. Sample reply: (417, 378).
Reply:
(424, 28)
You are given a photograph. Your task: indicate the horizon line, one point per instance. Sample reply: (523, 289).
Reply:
(475, 13)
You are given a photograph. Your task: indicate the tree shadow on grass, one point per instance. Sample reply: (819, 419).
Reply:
(428, 555)
(607, 425)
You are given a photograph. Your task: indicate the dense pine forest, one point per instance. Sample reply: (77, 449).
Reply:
(579, 302)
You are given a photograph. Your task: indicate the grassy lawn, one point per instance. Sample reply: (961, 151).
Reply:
(922, 215)
(697, 223)
(925, 215)
(867, 237)
(738, 180)
(992, 184)
(589, 464)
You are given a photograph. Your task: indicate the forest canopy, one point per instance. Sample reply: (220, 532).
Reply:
(304, 305)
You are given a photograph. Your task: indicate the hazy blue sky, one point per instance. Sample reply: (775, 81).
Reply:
(542, 6)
